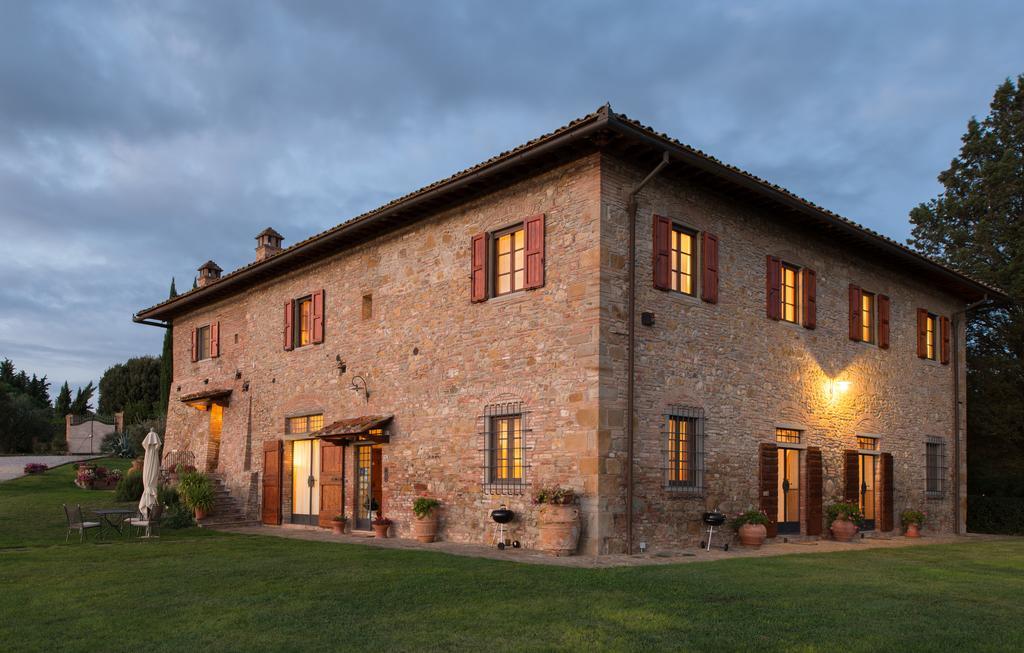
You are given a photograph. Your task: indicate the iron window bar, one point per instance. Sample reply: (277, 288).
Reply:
(500, 460)
(935, 467)
(787, 436)
(682, 440)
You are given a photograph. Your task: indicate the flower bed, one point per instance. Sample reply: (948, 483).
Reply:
(90, 477)
(35, 468)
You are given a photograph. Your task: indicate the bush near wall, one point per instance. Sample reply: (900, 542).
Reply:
(1003, 515)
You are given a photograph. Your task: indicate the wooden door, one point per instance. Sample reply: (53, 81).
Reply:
(814, 491)
(272, 482)
(377, 476)
(885, 488)
(331, 503)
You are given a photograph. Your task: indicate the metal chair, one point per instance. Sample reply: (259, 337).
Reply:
(78, 524)
(150, 523)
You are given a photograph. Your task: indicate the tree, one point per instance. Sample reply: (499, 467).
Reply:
(976, 225)
(167, 361)
(132, 387)
(83, 398)
(62, 406)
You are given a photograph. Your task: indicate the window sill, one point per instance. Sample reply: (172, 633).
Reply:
(934, 495)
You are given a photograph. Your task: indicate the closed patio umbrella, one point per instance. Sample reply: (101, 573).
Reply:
(150, 475)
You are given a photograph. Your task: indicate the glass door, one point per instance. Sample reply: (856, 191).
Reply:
(788, 517)
(867, 490)
(368, 485)
(305, 482)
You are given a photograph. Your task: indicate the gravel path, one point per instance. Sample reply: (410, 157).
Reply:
(14, 466)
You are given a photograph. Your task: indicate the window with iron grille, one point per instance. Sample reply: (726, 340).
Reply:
(303, 424)
(684, 450)
(787, 436)
(935, 467)
(865, 442)
(504, 433)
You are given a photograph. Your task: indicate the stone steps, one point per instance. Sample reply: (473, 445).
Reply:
(226, 509)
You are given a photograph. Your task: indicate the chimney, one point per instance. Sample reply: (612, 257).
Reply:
(208, 273)
(268, 243)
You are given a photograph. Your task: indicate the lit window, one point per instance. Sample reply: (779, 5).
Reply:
(789, 295)
(935, 467)
(787, 436)
(931, 333)
(506, 445)
(865, 442)
(304, 424)
(303, 321)
(867, 316)
(682, 260)
(203, 342)
(509, 261)
(685, 450)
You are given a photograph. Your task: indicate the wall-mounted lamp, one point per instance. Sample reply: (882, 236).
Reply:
(837, 387)
(359, 385)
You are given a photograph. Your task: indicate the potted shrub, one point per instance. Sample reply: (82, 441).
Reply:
(913, 522)
(424, 526)
(558, 520)
(844, 518)
(338, 524)
(196, 492)
(381, 525)
(751, 527)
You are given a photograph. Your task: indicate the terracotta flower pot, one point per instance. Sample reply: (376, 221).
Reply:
(136, 466)
(913, 530)
(843, 530)
(424, 529)
(752, 534)
(381, 530)
(559, 529)
(200, 514)
(338, 527)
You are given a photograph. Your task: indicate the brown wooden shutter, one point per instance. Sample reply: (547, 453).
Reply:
(814, 491)
(272, 482)
(331, 503)
(922, 333)
(855, 312)
(318, 317)
(478, 274)
(772, 286)
(769, 464)
(851, 472)
(809, 289)
(709, 272)
(289, 331)
(195, 345)
(945, 340)
(534, 252)
(884, 311)
(885, 487)
(662, 248)
(215, 340)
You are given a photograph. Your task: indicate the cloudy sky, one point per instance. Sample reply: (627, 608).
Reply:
(138, 140)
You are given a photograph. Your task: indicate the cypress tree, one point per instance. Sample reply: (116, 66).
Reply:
(167, 361)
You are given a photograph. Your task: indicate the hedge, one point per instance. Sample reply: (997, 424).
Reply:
(1003, 515)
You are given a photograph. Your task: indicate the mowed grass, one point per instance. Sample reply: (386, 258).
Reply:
(255, 593)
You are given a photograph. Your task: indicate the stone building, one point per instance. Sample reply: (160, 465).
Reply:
(472, 341)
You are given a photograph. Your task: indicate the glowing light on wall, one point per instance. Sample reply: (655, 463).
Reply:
(837, 387)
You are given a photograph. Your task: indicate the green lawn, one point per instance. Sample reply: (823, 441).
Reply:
(251, 593)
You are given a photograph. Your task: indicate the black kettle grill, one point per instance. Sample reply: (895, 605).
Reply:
(502, 516)
(712, 520)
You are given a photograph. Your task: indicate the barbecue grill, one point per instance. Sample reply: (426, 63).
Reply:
(712, 520)
(502, 516)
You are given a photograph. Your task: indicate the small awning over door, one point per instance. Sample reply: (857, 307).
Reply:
(368, 428)
(202, 400)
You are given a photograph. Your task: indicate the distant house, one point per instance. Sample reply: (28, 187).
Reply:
(472, 341)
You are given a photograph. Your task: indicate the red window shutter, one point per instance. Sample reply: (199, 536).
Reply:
(195, 345)
(478, 273)
(809, 289)
(662, 247)
(272, 459)
(772, 285)
(814, 491)
(945, 340)
(885, 488)
(709, 273)
(922, 333)
(215, 340)
(289, 317)
(851, 470)
(883, 321)
(318, 317)
(855, 308)
(769, 463)
(534, 252)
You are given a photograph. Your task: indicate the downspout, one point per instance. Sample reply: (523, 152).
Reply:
(631, 209)
(957, 410)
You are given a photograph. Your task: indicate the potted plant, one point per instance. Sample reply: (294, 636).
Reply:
(381, 524)
(85, 477)
(424, 526)
(844, 518)
(558, 520)
(338, 524)
(913, 522)
(196, 491)
(137, 465)
(751, 527)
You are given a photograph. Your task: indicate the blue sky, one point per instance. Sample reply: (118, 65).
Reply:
(138, 139)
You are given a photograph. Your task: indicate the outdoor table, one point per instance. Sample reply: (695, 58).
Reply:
(112, 518)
